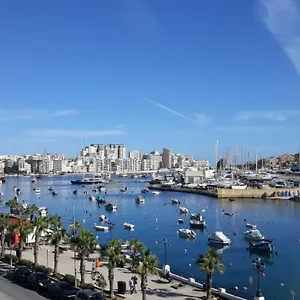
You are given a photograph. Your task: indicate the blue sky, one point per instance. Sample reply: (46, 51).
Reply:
(150, 74)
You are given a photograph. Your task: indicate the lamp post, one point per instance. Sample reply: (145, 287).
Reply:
(165, 245)
(47, 258)
(259, 266)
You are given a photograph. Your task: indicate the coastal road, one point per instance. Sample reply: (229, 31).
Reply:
(12, 291)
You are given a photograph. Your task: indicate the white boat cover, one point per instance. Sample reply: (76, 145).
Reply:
(255, 233)
(219, 235)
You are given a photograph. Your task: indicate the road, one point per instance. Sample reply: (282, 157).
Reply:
(12, 291)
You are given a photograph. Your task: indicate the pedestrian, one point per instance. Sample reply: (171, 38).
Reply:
(134, 283)
(131, 285)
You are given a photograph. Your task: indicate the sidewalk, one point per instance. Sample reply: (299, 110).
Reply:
(156, 288)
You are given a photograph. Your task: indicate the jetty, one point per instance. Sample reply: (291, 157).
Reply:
(249, 193)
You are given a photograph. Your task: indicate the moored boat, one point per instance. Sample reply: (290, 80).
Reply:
(103, 218)
(110, 207)
(262, 246)
(37, 190)
(253, 234)
(144, 191)
(89, 181)
(139, 199)
(252, 226)
(128, 226)
(100, 227)
(183, 210)
(187, 233)
(219, 238)
(155, 193)
(175, 201)
(180, 221)
(124, 189)
(92, 198)
(196, 221)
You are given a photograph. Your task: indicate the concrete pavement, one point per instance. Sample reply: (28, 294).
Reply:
(157, 288)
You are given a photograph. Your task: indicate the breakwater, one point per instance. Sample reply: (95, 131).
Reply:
(228, 193)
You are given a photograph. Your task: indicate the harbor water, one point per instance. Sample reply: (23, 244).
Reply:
(157, 219)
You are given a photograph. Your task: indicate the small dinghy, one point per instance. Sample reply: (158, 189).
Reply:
(183, 210)
(128, 226)
(187, 233)
(180, 221)
(103, 218)
(100, 227)
(155, 193)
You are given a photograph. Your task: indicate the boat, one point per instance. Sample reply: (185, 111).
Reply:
(187, 233)
(103, 218)
(231, 199)
(180, 221)
(219, 238)
(183, 210)
(144, 191)
(139, 199)
(262, 246)
(33, 180)
(100, 227)
(54, 193)
(239, 186)
(175, 201)
(43, 211)
(50, 189)
(252, 226)
(100, 199)
(128, 226)
(92, 198)
(110, 207)
(197, 221)
(295, 198)
(124, 189)
(85, 181)
(101, 188)
(37, 190)
(75, 192)
(253, 234)
(155, 193)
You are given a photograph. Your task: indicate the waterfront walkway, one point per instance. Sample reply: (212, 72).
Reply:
(157, 288)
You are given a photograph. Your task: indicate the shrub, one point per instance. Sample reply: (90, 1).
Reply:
(88, 286)
(46, 270)
(59, 276)
(6, 258)
(25, 262)
(69, 278)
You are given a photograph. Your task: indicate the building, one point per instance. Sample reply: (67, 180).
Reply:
(23, 166)
(167, 158)
(135, 154)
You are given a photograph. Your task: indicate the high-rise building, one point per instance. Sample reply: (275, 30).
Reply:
(135, 154)
(167, 158)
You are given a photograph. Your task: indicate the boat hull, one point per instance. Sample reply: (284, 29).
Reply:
(217, 242)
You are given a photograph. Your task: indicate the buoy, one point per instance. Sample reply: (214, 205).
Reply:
(190, 264)
(282, 284)
(263, 275)
(155, 242)
(236, 288)
(230, 264)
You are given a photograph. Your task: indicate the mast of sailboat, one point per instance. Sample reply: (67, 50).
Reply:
(255, 160)
(216, 150)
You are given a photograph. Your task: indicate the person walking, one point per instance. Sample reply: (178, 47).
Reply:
(134, 283)
(131, 284)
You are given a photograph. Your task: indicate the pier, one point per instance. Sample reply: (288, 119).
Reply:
(228, 193)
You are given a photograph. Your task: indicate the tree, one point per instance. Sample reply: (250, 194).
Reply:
(84, 243)
(208, 263)
(114, 256)
(14, 205)
(23, 227)
(4, 226)
(57, 235)
(135, 247)
(148, 264)
(30, 211)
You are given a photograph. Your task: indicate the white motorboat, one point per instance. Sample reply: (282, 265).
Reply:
(100, 227)
(180, 221)
(139, 199)
(196, 221)
(183, 210)
(187, 233)
(219, 238)
(253, 234)
(128, 226)
(124, 189)
(37, 190)
(252, 226)
(92, 198)
(239, 186)
(103, 218)
(175, 201)
(155, 193)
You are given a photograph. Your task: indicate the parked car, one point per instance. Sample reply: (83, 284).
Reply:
(20, 274)
(38, 281)
(62, 290)
(89, 295)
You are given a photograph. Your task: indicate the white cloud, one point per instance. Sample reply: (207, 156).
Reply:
(7, 115)
(200, 118)
(280, 115)
(282, 19)
(48, 133)
(120, 126)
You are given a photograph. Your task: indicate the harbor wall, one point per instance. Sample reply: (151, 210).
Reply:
(252, 193)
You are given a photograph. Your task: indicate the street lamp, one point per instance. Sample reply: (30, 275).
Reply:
(259, 266)
(165, 244)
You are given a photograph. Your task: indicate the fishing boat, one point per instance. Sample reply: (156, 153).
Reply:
(262, 246)
(196, 221)
(110, 207)
(128, 226)
(252, 226)
(187, 233)
(139, 199)
(219, 238)
(183, 210)
(253, 234)
(155, 193)
(175, 201)
(100, 227)
(37, 190)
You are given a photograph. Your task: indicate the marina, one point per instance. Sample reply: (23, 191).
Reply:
(158, 218)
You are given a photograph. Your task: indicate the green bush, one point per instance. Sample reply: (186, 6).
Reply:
(69, 278)
(46, 270)
(59, 276)
(88, 286)
(6, 258)
(25, 262)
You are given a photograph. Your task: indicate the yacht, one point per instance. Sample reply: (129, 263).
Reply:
(253, 234)
(187, 233)
(37, 190)
(183, 210)
(139, 199)
(95, 180)
(196, 220)
(128, 226)
(219, 238)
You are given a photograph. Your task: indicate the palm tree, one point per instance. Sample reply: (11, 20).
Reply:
(30, 211)
(84, 243)
(4, 226)
(40, 224)
(208, 263)
(135, 247)
(148, 264)
(23, 227)
(58, 234)
(14, 205)
(75, 227)
(114, 256)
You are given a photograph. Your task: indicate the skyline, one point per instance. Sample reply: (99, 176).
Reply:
(150, 75)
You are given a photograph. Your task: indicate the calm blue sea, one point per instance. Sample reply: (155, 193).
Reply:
(157, 219)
